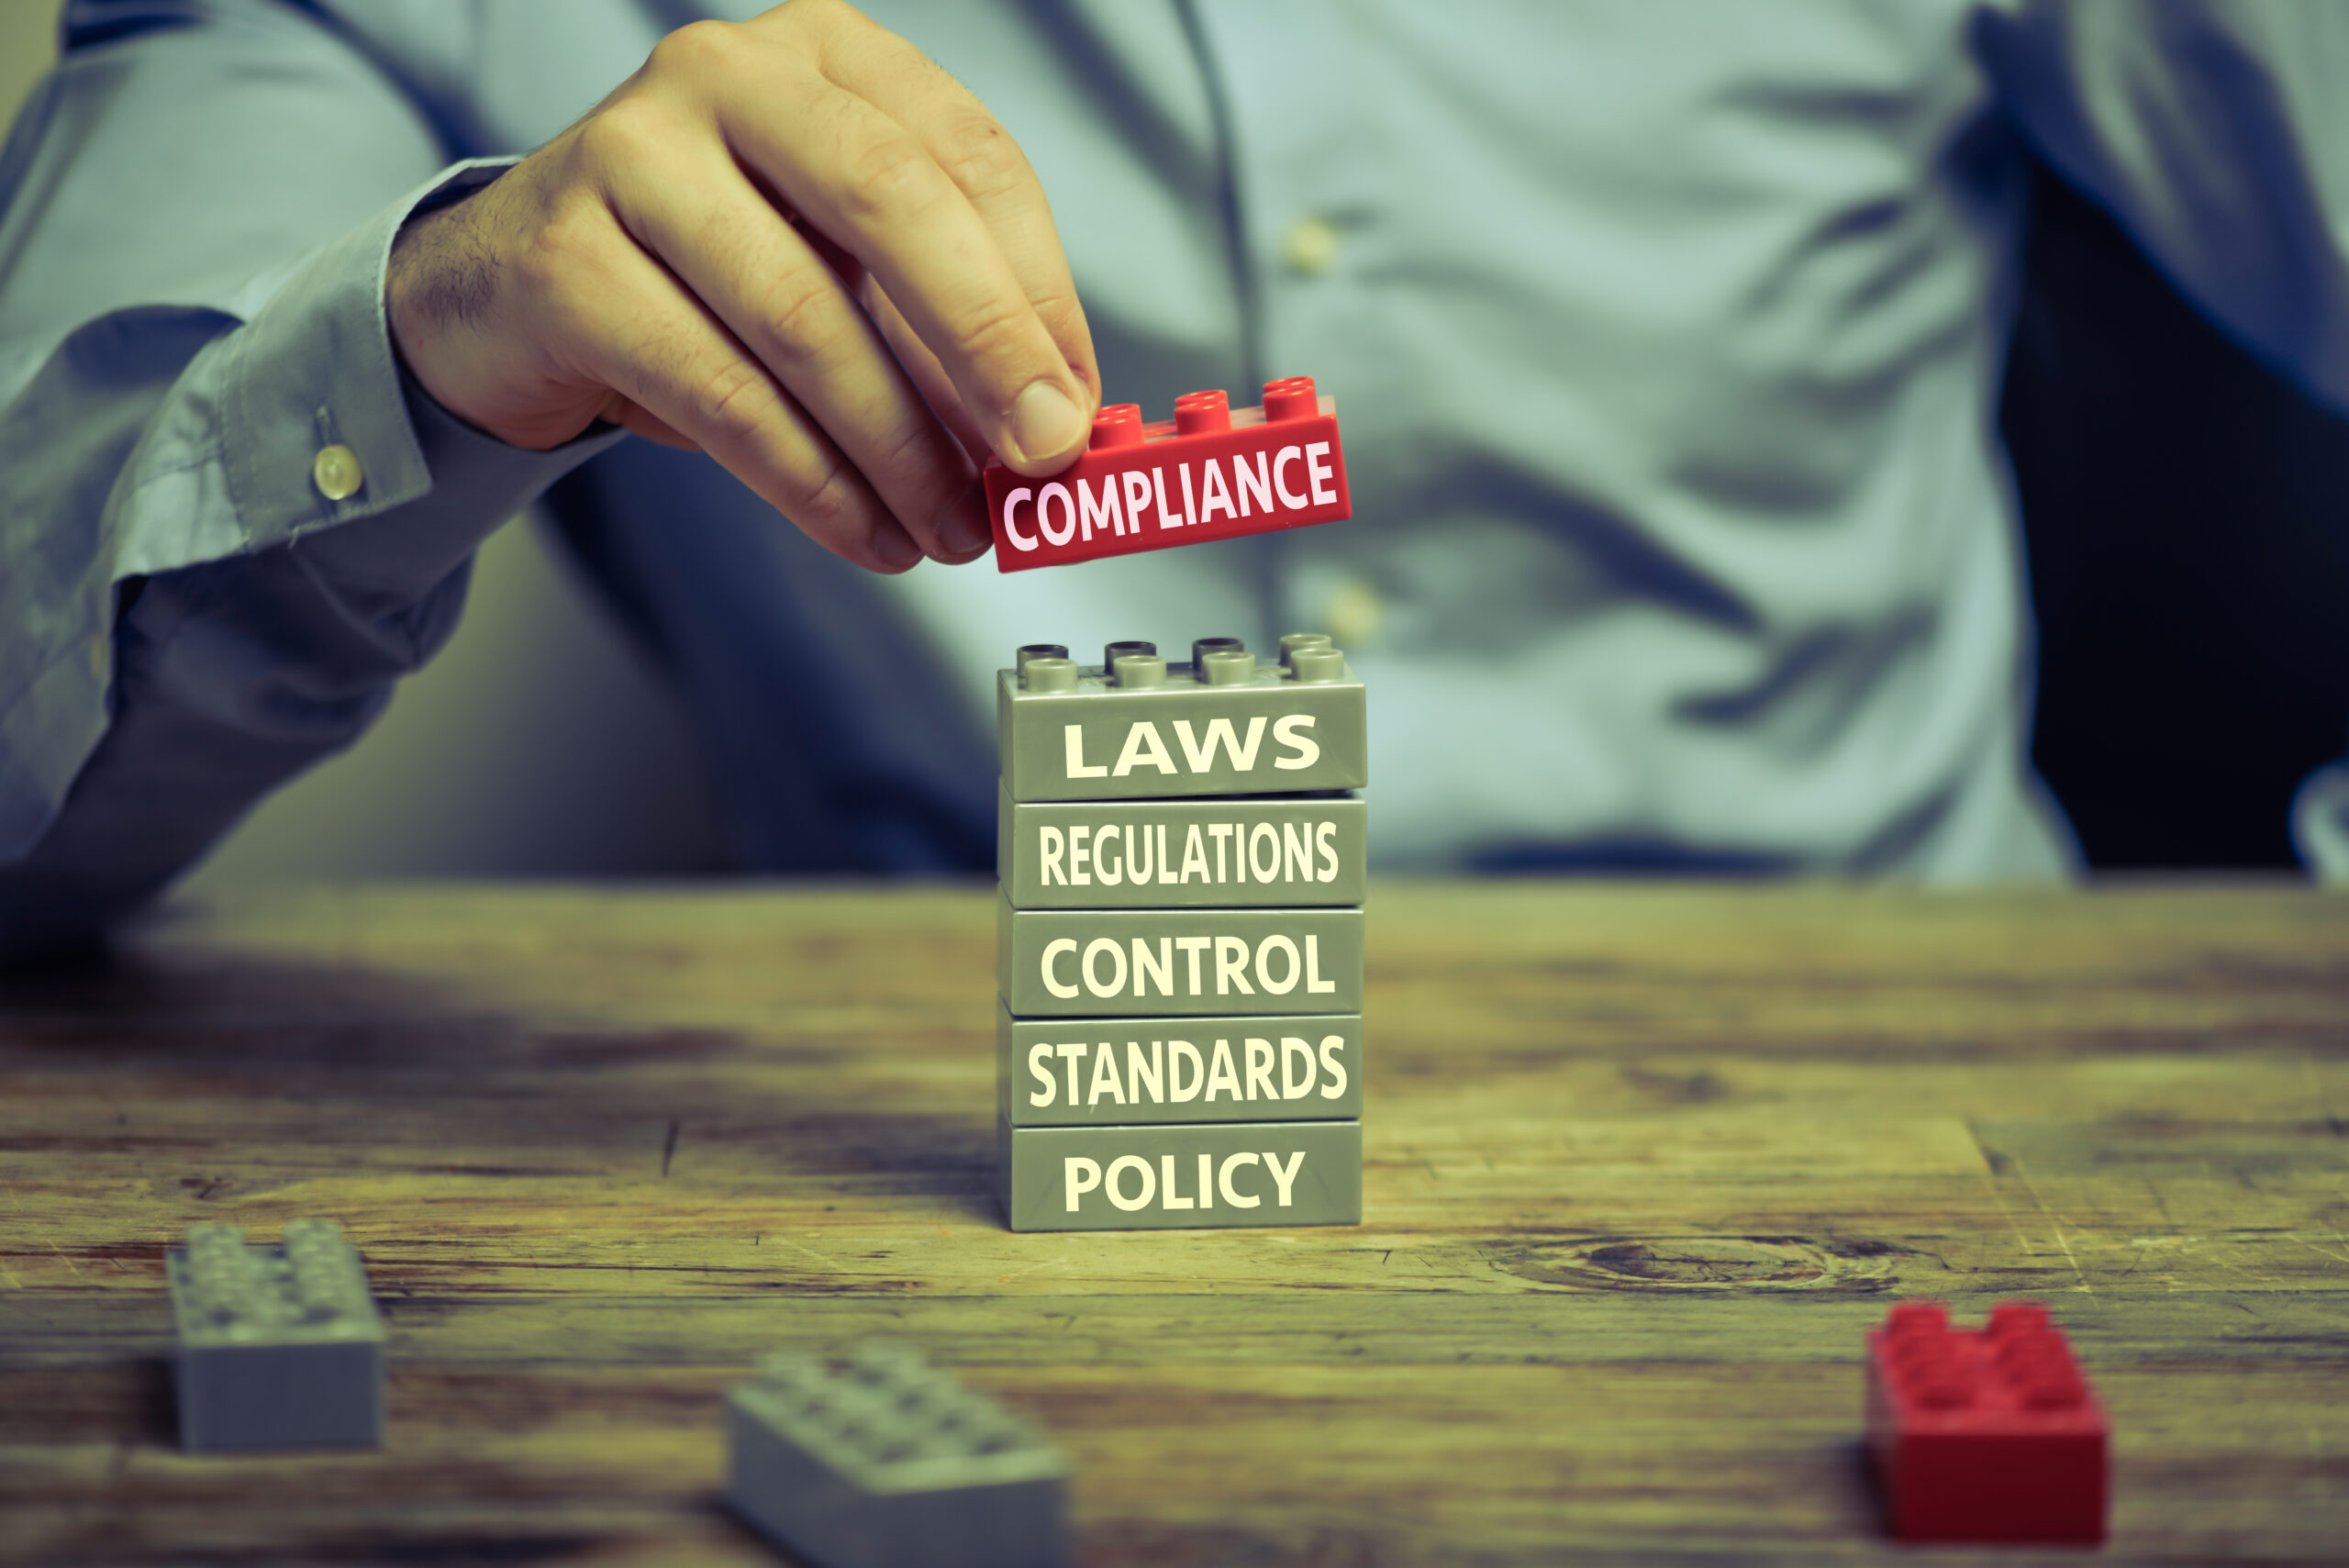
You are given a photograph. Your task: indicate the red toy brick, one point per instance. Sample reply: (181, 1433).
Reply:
(1988, 1434)
(1212, 472)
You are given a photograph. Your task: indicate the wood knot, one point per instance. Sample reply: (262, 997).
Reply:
(1704, 1262)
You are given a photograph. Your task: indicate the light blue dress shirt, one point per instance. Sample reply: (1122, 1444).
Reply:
(1665, 337)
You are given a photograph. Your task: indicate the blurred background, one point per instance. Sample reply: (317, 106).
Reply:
(2189, 563)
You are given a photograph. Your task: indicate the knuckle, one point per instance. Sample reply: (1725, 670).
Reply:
(620, 135)
(834, 504)
(564, 248)
(997, 336)
(829, 21)
(697, 50)
(1061, 311)
(732, 403)
(803, 319)
(888, 175)
(981, 158)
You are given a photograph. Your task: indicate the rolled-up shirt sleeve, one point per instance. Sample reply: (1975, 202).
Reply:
(195, 213)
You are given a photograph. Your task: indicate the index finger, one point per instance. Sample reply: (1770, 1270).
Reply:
(975, 150)
(871, 185)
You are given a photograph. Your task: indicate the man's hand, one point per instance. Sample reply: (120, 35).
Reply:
(723, 255)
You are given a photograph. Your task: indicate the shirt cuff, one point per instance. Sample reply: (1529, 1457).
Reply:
(477, 483)
(312, 368)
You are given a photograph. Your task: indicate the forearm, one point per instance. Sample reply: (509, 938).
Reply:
(231, 677)
(170, 372)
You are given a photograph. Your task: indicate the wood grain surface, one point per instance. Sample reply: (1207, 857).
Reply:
(1641, 1165)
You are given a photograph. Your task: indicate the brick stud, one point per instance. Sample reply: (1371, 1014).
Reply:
(1291, 398)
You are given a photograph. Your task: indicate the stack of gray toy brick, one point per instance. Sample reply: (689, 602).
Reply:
(1180, 944)
(886, 1462)
(279, 1347)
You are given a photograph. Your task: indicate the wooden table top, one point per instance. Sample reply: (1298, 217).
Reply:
(1642, 1164)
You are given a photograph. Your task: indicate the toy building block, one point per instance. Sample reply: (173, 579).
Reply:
(1223, 724)
(1125, 1072)
(1221, 852)
(1986, 1435)
(279, 1347)
(887, 1462)
(1184, 1177)
(1212, 472)
(1074, 963)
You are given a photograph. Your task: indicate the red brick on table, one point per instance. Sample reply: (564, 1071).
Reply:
(1988, 1434)
(1212, 472)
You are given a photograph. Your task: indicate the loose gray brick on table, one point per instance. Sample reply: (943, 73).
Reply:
(279, 1347)
(885, 1462)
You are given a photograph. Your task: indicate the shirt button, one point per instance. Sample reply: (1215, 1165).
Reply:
(335, 471)
(1352, 613)
(1310, 246)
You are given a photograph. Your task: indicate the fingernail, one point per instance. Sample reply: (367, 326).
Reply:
(1044, 423)
(895, 549)
(964, 529)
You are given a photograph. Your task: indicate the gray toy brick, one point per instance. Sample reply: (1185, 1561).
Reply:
(887, 1462)
(1063, 964)
(1223, 852)
(279, 1347)
(1184, 1177)
(1114, 1072)
(1227, 724)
